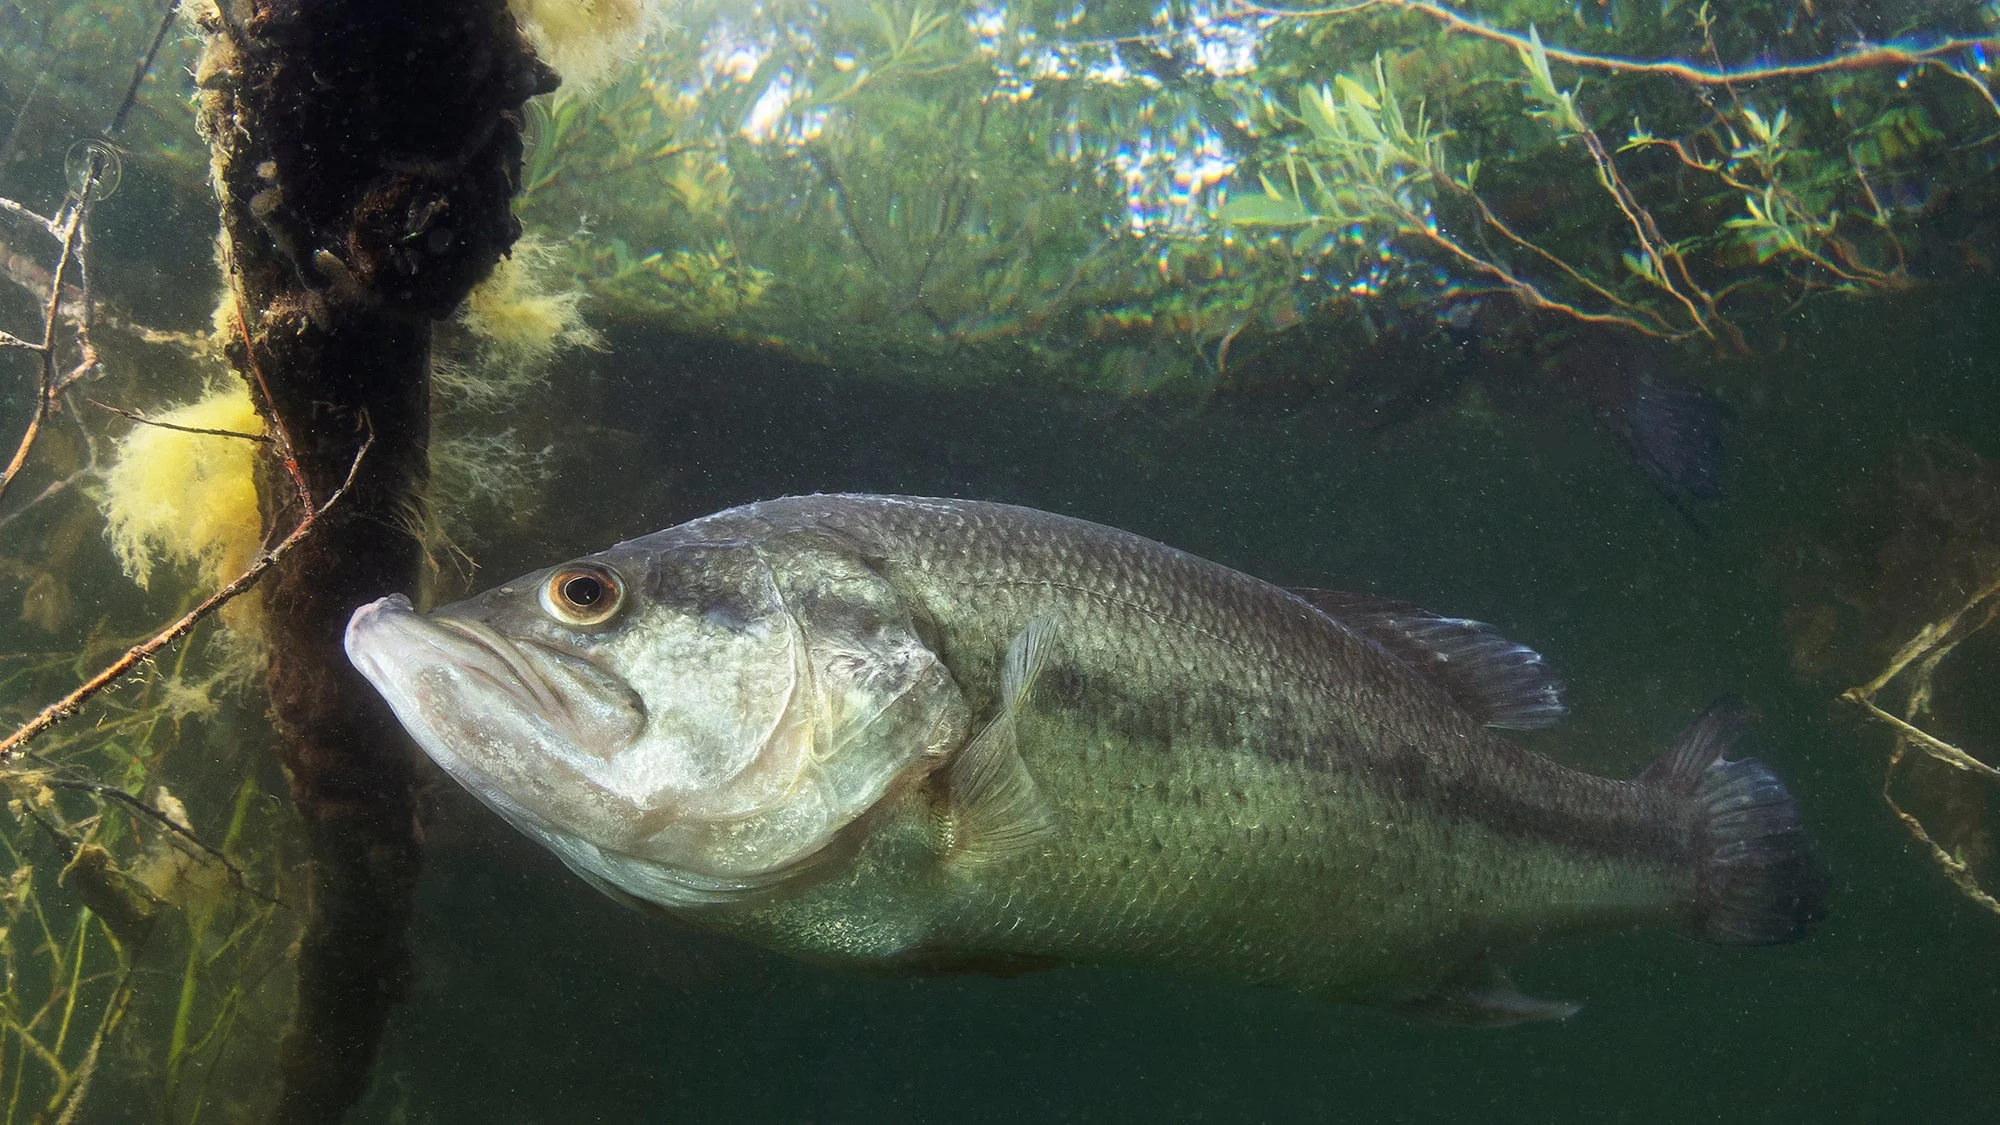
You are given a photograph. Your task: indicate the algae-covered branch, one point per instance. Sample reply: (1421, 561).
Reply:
(366, 155)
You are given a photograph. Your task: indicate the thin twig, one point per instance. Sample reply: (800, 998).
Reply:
(280, 436)
(53, 228)
(54, 488)
(1658, 250)
(44, 395)
(139, 72)
(112, 792)
(1487, 215)
(1862, 56)
(11, 746)
(1936, 747)
(1955, 869)
(1926, 639)
(1523, 289)
(145, 421)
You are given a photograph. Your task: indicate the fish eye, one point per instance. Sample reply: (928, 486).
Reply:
(584, 594)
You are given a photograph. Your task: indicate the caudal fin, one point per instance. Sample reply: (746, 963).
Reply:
(1758, 880)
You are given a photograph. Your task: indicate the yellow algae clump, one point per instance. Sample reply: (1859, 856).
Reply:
(519, 321)
(584, 39)
(187, 499)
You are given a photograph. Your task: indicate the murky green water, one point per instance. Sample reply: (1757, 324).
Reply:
(1073, 256)
(543, 1003)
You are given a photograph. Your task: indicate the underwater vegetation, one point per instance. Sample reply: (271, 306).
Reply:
(172, 496)
(160, 891)
(143, 926)
(1142, 197)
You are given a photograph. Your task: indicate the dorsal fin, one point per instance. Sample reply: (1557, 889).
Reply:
(1704, 743)
(1504, 683)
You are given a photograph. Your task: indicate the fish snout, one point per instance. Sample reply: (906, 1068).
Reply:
(447, 673)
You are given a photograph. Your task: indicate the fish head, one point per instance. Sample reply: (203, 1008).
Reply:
(684, 721)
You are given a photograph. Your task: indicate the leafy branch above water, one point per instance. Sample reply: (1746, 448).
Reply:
(1085, 184)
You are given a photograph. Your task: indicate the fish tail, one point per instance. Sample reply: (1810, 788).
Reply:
(1758, 880)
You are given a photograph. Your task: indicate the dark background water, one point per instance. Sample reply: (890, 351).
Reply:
(539, 1001)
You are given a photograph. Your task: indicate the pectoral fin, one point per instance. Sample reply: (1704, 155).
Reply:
(1484, 997)
(990, 806)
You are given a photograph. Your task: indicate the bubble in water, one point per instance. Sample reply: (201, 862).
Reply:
(89, 158)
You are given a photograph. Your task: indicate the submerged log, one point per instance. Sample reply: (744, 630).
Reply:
(365, 154)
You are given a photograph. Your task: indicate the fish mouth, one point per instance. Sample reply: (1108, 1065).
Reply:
(405, 654)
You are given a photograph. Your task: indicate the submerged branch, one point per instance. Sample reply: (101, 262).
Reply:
(9, 207)
(52, 317)
(145, 421)
(1927, 649)
(1862, 56)
(70, 230)
(12, 745)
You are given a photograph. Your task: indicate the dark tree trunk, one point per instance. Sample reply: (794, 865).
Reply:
(366, 153)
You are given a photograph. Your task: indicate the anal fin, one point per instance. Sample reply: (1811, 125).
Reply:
(1484, 997)
(991, 807)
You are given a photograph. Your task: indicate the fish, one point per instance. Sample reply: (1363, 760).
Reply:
(1674, 431)
(933, 735)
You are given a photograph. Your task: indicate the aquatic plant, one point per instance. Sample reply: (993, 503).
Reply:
(1088, 189)
(150, 900)
(179, 488)
(519, 322)
(585, 39)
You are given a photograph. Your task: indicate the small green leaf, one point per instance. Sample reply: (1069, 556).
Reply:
(1316, 109)
(1364, 123)
(1271, 210)
(1537, 59)
(1356, 92)
(1759, 128)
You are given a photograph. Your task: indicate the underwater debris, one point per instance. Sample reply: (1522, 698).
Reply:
(126, 906)
(1920, 658)
(1949, 538)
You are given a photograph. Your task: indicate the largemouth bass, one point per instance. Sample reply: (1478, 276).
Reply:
(944, 735)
